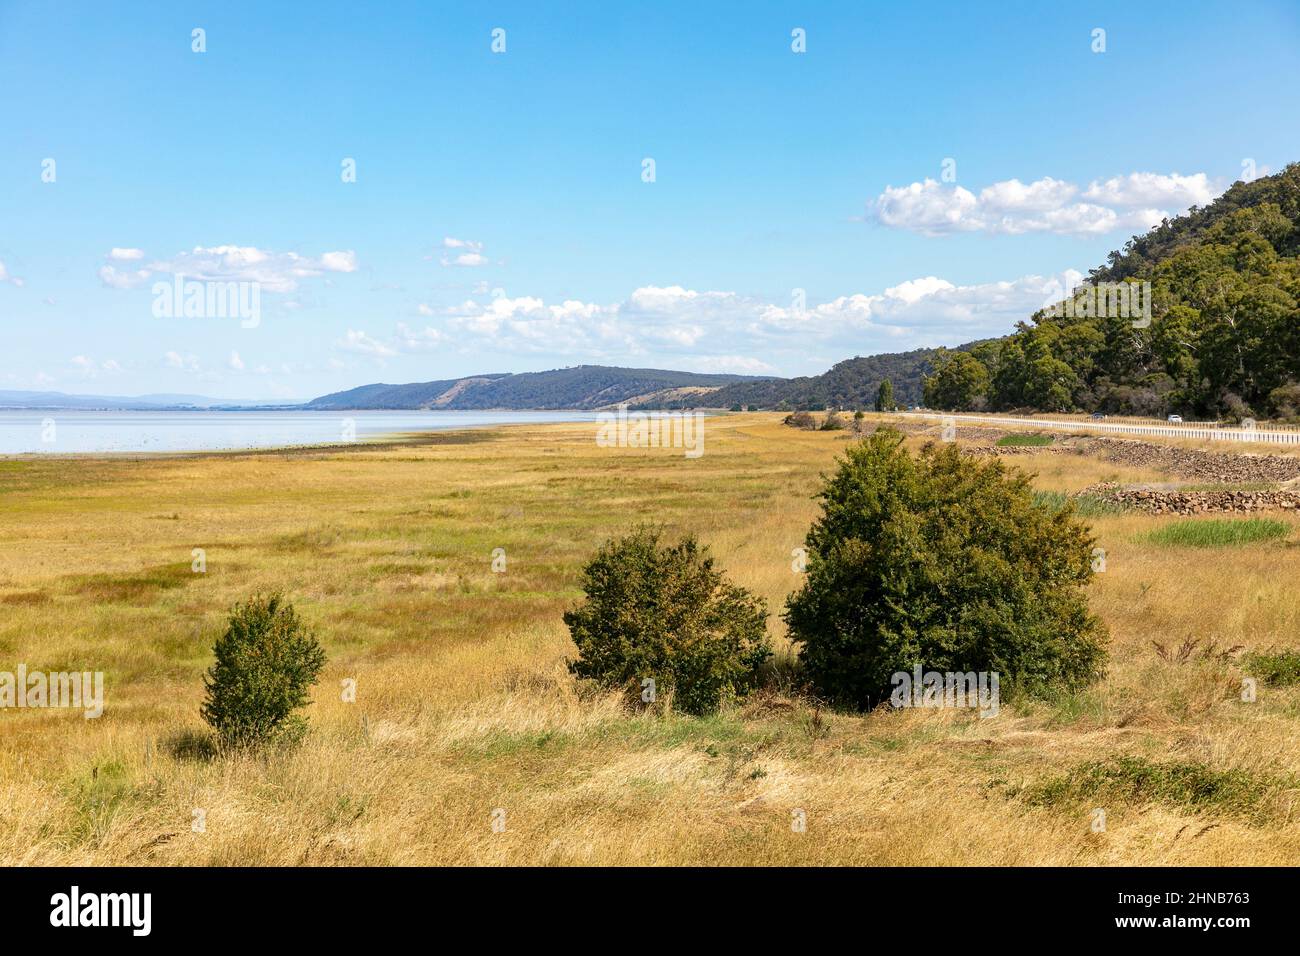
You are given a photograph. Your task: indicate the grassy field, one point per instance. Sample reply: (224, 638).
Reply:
(464, 706)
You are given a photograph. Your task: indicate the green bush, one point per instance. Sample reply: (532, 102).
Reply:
(944, 561)
(663, 612)
(266, 662)
(1276, 670)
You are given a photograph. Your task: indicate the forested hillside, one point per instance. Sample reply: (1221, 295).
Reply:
(1224, 331)
(852, 383)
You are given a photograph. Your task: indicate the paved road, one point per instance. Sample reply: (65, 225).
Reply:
(1266, 436)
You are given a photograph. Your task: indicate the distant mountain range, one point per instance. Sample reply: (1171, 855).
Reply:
(581, 387)
(852, 383)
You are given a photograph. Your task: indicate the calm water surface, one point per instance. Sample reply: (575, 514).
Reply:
(64, 432)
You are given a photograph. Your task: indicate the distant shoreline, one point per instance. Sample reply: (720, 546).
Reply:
(117, 433)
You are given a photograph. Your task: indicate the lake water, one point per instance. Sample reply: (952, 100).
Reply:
(64, 432)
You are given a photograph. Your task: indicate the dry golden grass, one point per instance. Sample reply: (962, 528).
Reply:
(464, 705)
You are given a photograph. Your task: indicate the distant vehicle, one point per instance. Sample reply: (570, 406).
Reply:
(1176, 419)
(1096, 416)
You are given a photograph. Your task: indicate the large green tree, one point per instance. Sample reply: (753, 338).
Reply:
(959, 381)
(943, 561)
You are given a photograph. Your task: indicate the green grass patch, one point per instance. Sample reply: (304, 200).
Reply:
(1219, 532)
(1275, 670)
(1024, 441)
(96, 797)
(500, 744)
(1085, 506)
(1135, 781)
(141, 588)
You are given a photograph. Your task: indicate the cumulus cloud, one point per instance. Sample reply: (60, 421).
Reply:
(125, 255)
(236, 362)
(276, 272)
(722, 330)
(1134, 202)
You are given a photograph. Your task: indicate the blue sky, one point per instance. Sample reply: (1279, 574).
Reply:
(500, 219)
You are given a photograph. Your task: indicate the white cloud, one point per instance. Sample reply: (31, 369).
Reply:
(357, 341)
(236, 362)
(6, 277)
(1152, 189)
(125, 255)
(1134, 203)
(276, 272)
(709, 329)
(116, 279)
(470, 259)
(188, 363)
(470, 254)
(91, 368)
(416, 340)
(339, 261)
(735, 364)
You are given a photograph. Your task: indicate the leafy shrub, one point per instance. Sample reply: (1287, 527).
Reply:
(1276, 670)
(663, 612)
(947, 562)
(266, 662)
(833, 422)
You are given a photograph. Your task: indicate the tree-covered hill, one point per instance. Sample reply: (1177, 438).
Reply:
(1223, 337)
(581, 387)
(852, 383)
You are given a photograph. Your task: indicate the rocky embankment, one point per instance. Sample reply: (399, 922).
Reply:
(1174, 501)
(1194, 463)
